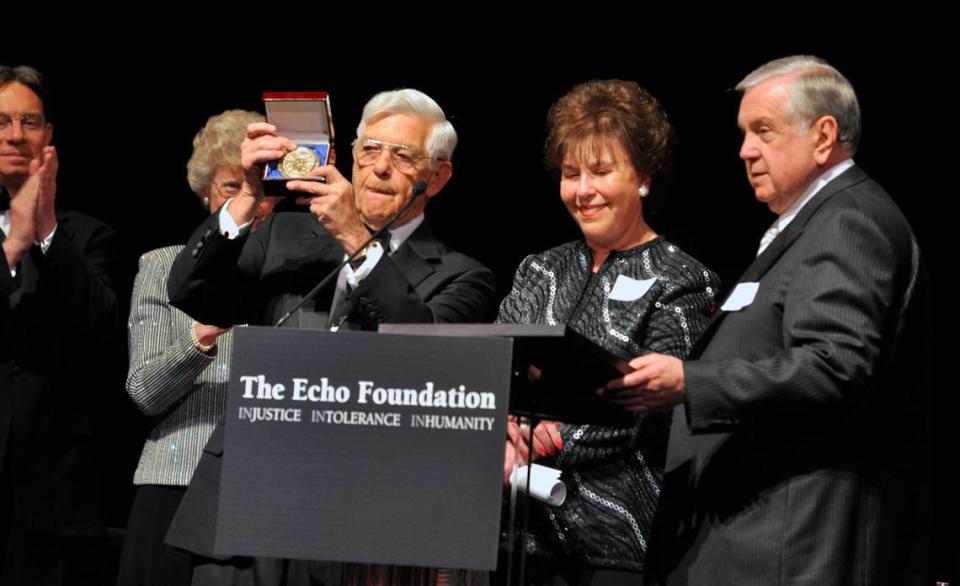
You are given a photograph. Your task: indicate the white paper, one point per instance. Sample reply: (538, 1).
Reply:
(627, 289)
(545, 484)
(741, 297)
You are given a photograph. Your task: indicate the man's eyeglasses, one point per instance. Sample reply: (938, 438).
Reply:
(28, 122)
(404, 157)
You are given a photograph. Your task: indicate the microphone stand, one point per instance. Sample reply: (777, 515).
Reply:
(418, 189)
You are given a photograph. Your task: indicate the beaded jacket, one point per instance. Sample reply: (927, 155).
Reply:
(652, 298)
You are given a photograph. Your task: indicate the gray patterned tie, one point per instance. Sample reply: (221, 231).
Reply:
(768, 237)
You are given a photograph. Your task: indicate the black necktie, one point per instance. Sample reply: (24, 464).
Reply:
(344, 305)
(384, 239)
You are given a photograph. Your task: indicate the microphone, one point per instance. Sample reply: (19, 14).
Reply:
(419, 188)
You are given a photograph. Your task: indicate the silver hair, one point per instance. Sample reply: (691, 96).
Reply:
(442, 138)
(217, 143)
(817, 89)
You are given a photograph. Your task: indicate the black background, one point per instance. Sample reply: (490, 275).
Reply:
(127, 105)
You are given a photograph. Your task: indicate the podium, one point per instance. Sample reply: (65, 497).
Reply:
(553, 369)
(388, 448)
(554, 373)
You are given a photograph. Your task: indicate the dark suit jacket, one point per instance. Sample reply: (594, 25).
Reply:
(258, 278)
(59, 309)
(226, 282)
(800, 455)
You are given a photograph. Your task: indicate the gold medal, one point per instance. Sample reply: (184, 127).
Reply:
(298, 163)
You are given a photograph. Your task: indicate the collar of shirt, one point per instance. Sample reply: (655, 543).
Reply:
(399, 234)
(815, 186)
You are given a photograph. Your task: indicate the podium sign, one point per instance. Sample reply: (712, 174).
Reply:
(361, 447)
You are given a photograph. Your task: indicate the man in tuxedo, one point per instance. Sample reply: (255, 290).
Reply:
(799, 447)
(227, 275)
(56, 303)
(404, 139)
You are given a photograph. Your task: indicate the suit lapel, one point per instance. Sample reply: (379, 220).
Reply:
(414, 256)
(28, 276)
(785, 239)
(763, 263)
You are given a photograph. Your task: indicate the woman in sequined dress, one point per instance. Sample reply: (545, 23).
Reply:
(628, 290)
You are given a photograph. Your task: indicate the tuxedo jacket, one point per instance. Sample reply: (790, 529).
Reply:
(56, 314)
(258, 278)
(800, 455)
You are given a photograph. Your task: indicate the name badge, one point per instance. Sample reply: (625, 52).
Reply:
(741, 297)
(627, 289)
